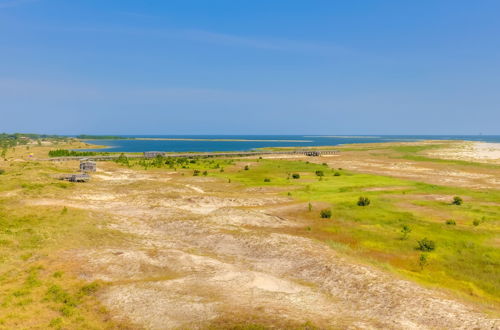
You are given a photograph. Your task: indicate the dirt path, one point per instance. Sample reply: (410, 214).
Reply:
(201, 257)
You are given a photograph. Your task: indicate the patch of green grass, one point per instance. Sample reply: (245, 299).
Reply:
(465, 256)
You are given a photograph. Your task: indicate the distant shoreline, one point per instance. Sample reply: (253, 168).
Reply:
(217, 140)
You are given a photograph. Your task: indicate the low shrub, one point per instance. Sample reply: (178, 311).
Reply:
(89, 289)
(363, 201)
(405, 231)
(476, 222)
(2, 171)
(426, 245)
(336, 174)
(196, 172)
(267, 180)
(422, 260)
(325, 213)
(246, 168)
(296, 176)
(451, 222)
(319, 173)
(205, 173)
(457, 200)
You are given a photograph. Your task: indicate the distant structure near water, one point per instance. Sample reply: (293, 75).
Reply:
(312, 153)
(153, 154)
(87, 166)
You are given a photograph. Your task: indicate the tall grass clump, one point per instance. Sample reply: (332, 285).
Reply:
(325, 214)
(363, 201)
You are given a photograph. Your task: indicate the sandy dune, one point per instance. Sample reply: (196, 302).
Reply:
(198, 257)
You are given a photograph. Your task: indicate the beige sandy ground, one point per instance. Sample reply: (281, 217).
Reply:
(203, 251)
(471, 151)
(391, 164)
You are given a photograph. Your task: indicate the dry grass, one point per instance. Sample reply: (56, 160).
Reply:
(159, 247)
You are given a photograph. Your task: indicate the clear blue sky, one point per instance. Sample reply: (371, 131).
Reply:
(250, 67)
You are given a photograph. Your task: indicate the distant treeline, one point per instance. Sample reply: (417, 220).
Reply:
(12, 140)
(101, 137)
(73, 153)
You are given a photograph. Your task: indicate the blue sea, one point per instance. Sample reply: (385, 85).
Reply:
(263, 141)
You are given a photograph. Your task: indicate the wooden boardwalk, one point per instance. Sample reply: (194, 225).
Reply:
(311, 153)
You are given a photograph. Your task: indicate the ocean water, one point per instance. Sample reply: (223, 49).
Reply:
(263, 141)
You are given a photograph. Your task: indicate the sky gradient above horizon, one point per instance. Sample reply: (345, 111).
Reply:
(250, 67)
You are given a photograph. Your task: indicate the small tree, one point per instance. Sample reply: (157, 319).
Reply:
(426, 245)
(325, 213)
(296, 176)
(457, 200)
(405, 231)
(363, 201)
(422, 260)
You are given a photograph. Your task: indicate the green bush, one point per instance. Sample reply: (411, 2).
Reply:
(422, 260)
(476, 222)
(426, 245)
(246, 168)
(205, 173)
(2, 171)
(336, 174)
(296, 176)
(89, 289)
(451, 222)
(363, 201)
(405, 231)
(196, 172)
(72, 153)
(319, 173)
(457, 201)
(267, 180)
(325, 213)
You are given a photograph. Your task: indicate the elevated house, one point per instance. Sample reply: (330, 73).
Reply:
(87, 166)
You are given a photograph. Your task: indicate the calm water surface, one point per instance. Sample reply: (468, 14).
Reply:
(300, 141)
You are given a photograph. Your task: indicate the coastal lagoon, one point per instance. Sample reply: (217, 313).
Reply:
(209, 143)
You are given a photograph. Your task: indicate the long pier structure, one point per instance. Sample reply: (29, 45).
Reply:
(153, 154)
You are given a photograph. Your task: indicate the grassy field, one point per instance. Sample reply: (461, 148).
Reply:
(35, 280)
(466, 258)
(38, 289)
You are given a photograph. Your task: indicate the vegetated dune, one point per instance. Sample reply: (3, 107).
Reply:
(199, 257)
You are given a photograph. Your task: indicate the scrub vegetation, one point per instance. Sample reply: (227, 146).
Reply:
(404, 218)
(413, 229)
